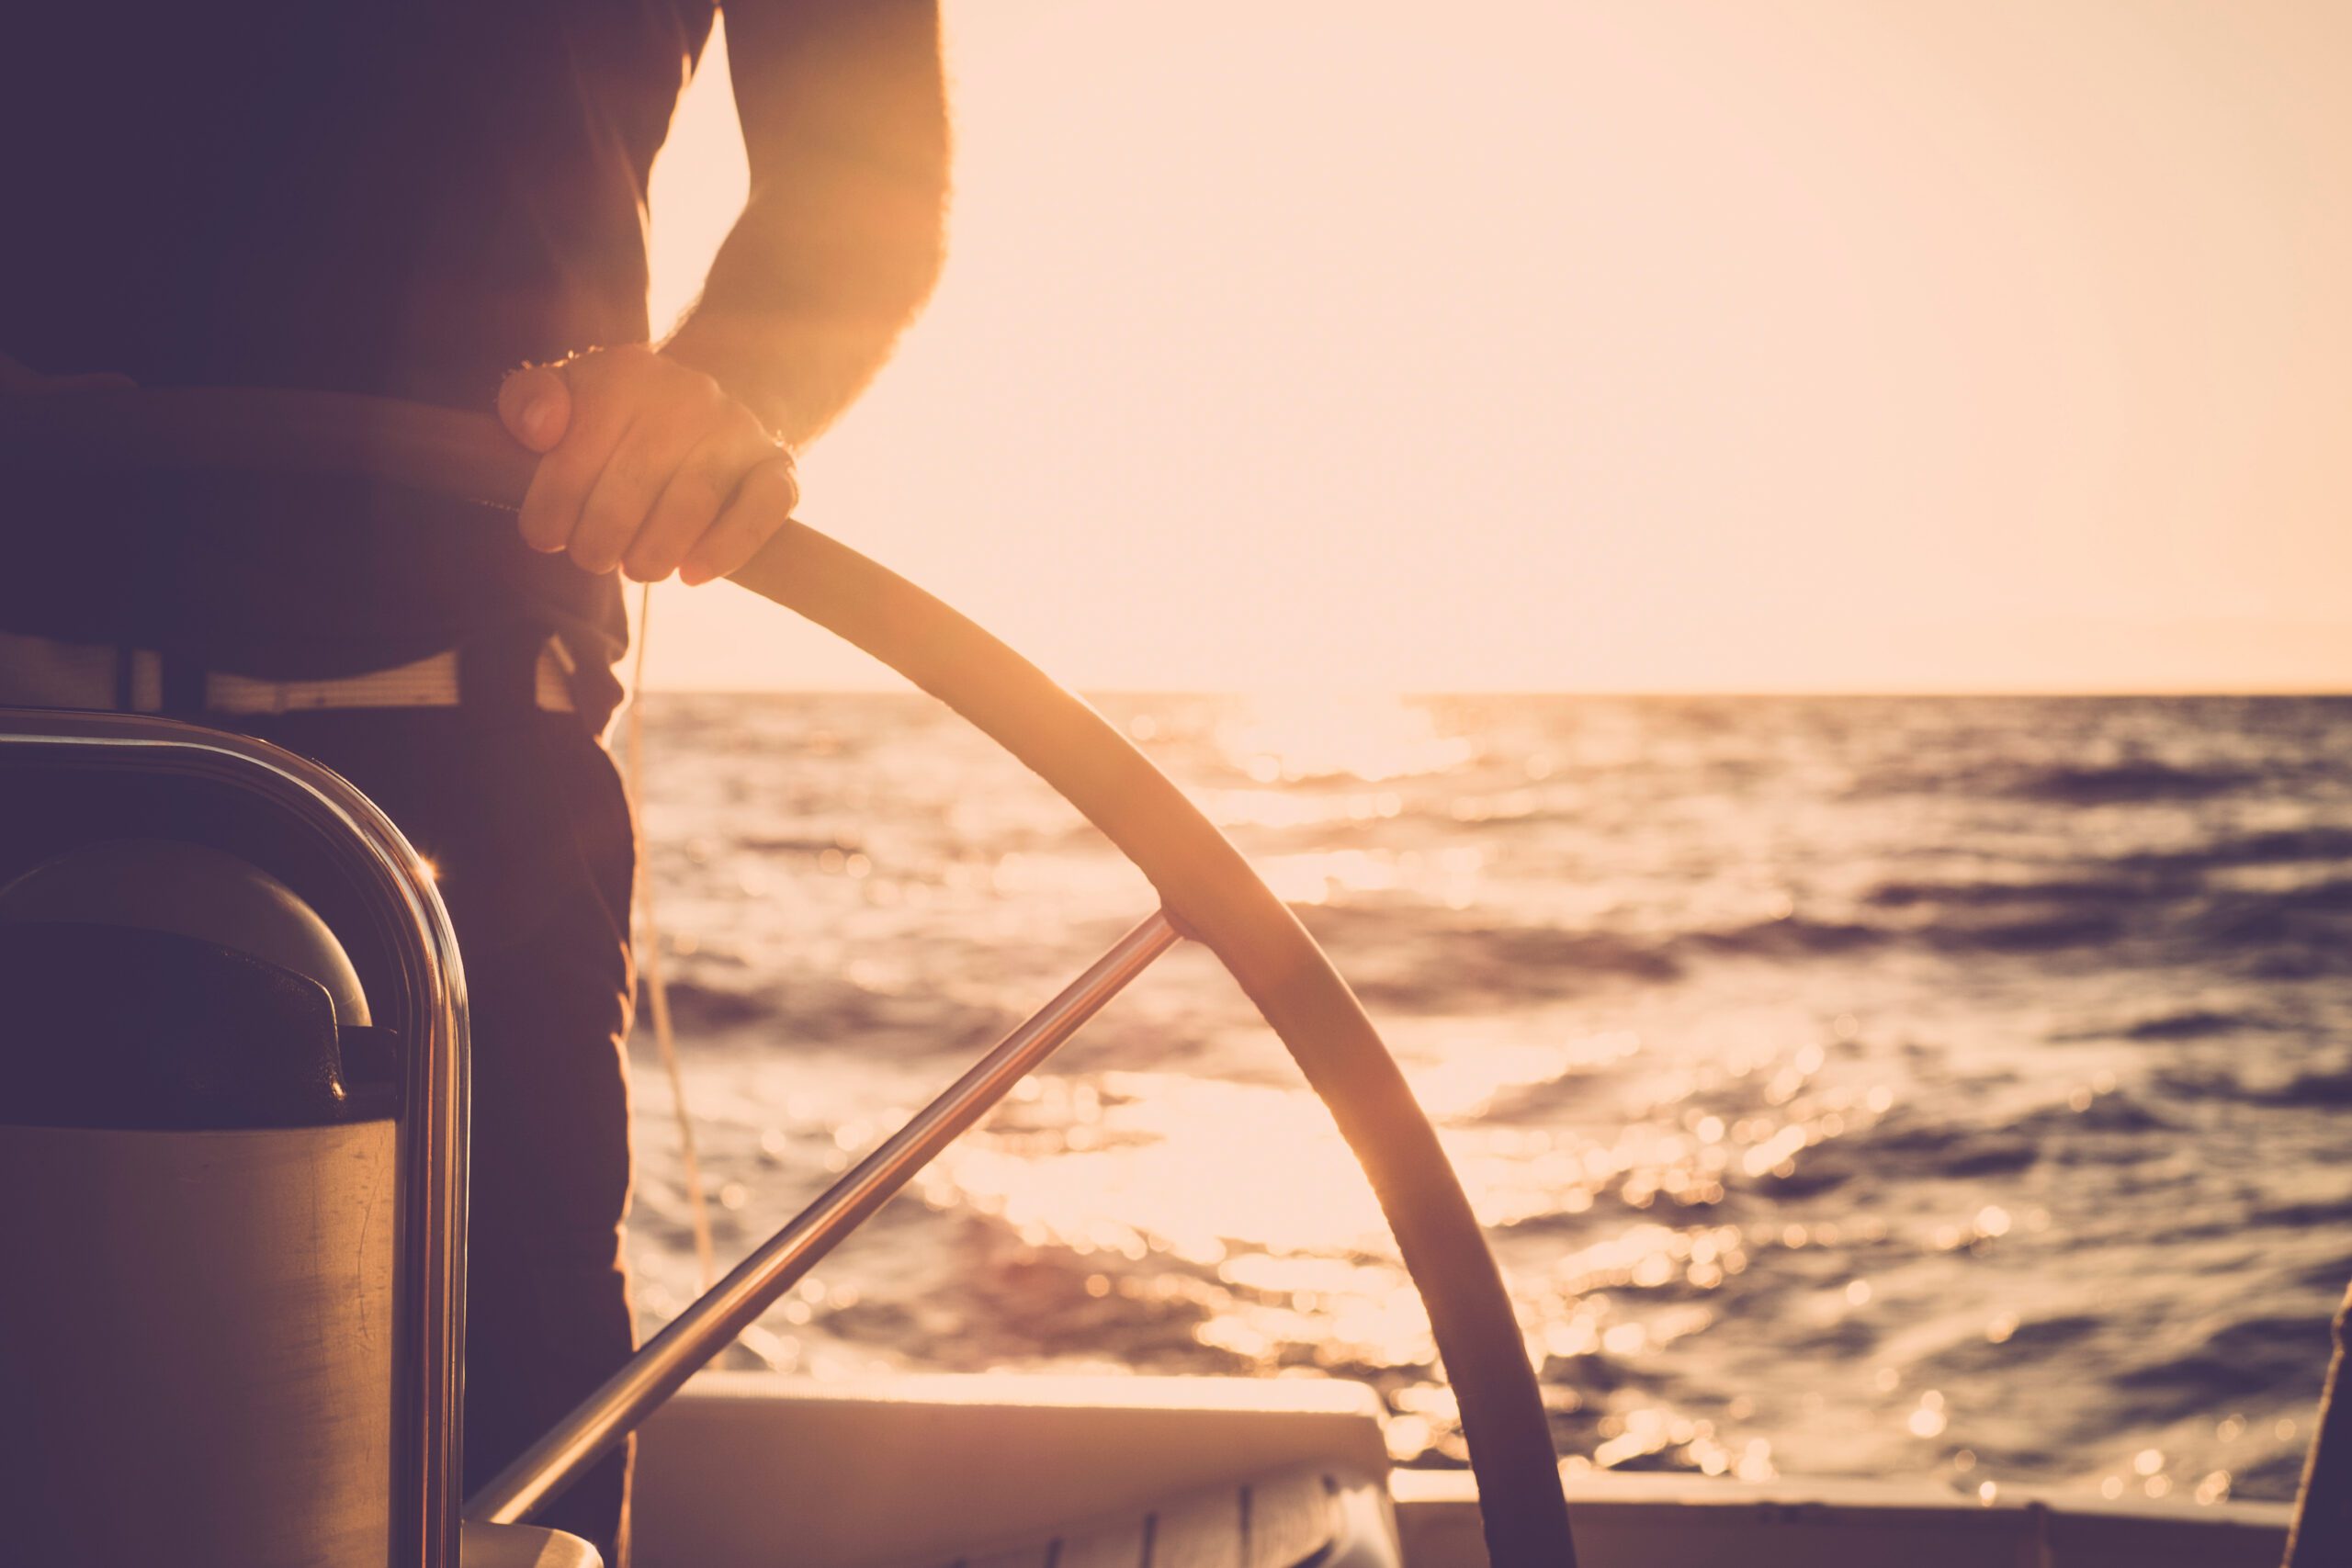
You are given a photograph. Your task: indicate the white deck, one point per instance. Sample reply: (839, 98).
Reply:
(744, 1470)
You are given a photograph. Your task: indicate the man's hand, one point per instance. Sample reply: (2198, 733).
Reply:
(649, 466)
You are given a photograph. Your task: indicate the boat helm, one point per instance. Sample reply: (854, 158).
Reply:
(1207, 894)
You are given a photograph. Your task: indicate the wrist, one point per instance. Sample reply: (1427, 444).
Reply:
(747, 377)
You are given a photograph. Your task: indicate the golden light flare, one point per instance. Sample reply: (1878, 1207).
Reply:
(1294, 735)
(1193, 1164)
(1777, 364)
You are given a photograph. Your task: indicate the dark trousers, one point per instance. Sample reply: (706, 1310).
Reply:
(526, 820)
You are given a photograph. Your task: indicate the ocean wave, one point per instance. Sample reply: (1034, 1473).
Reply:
(2050, 933)
(2327, 1089)
(1903, 1146)
(1983, 772)
(2332, 1214)
(1916, 1146)
(2284, 846)
(1402, 957)
(1794, 936)
(2125, 782)
(2195, 1024)
(2303, 927)
(2182, 1026)
(1396, 959)
(1013, 1300)
(2329, 1274)
(1797, 937)
(2290, 933)
(710, 1007)
(2265, 1355)
(1915, 895)
(822, 1008)
(798, 843)
(2118, 1111)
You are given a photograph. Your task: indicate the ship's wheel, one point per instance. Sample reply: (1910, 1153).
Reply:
(1208, 894)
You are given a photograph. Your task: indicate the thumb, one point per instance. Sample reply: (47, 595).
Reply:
(535, 405)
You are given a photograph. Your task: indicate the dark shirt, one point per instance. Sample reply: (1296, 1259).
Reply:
(406, 198)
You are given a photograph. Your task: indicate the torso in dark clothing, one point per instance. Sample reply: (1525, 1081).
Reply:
(406, 198)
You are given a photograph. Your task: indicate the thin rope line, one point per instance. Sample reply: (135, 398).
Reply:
(657, 993)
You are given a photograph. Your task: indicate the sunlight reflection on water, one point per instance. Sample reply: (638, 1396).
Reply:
(1868, 1087)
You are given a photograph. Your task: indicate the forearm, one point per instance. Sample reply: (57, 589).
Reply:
(794, 322)
(846, 125)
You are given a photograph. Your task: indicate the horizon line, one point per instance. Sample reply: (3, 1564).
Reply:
(1662, 693)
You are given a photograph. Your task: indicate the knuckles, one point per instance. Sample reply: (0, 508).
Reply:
(653, 442)
(704, 487)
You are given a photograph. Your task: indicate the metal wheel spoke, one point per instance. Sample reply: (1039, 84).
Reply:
(735, 1302)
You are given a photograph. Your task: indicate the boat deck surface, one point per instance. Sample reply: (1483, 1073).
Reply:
(751, 1470)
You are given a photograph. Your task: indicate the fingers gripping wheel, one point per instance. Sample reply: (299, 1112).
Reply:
(1209, 892)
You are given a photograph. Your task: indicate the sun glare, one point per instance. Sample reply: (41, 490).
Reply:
(1300, 736)
(1572, 348)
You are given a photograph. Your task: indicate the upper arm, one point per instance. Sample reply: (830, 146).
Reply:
(843, 103)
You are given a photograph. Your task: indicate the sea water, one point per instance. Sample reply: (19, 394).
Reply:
(1951, 1089)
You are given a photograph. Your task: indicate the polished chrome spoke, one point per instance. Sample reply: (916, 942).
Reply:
(735, 1302)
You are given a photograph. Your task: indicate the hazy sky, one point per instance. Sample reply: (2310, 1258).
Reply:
(1857, 345)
